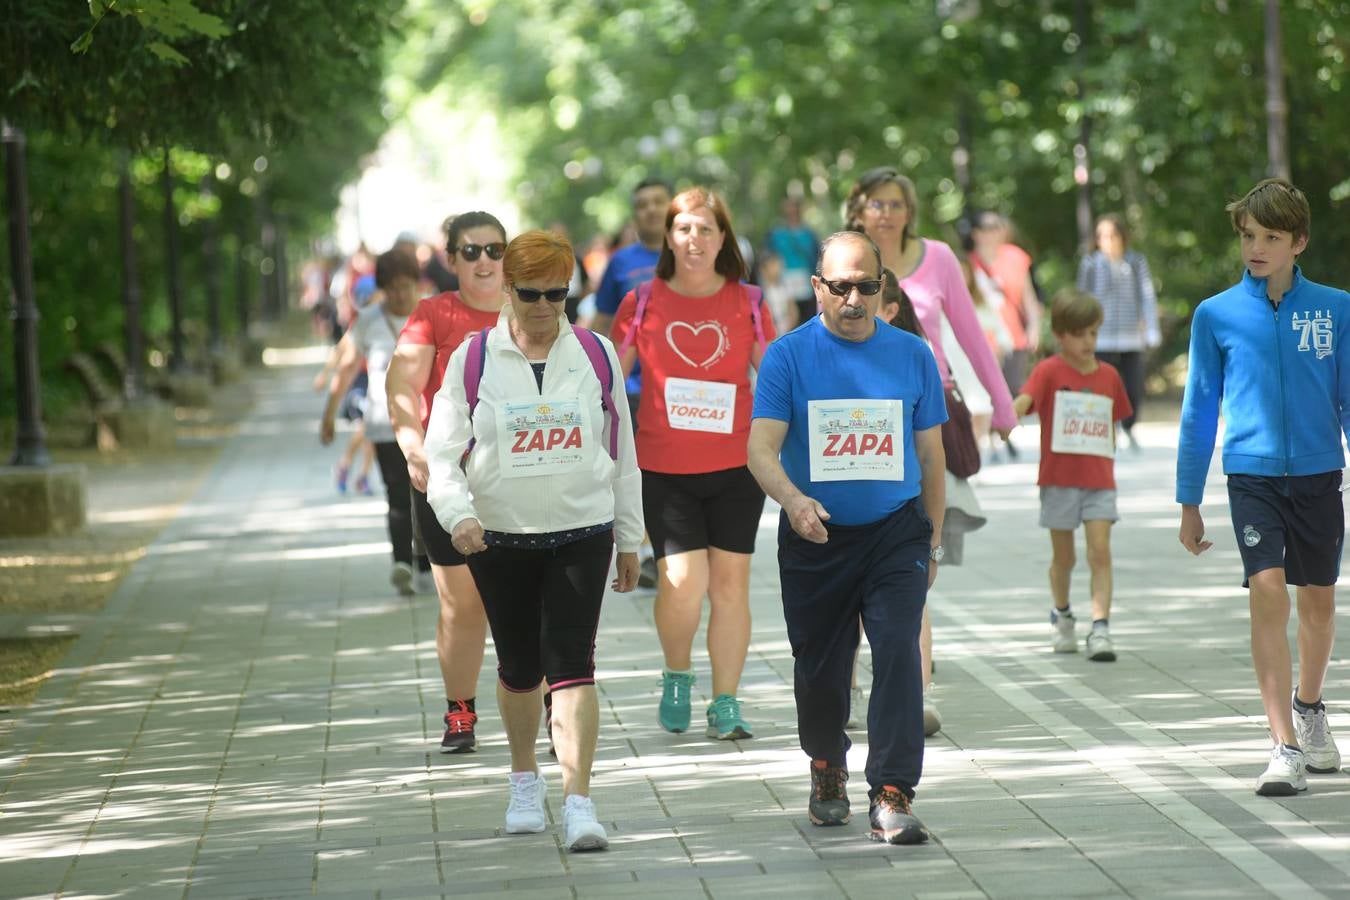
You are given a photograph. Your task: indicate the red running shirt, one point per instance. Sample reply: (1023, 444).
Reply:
(443, 322)
(1053, 374)
(707, 339)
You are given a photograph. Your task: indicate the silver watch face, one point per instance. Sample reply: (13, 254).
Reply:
(937, 553)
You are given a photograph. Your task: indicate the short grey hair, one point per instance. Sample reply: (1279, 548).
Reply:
(854, 236)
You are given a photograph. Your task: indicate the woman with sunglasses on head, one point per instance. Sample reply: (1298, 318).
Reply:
(697, 330)
(476, 242)
(884, 205)
(534, 475)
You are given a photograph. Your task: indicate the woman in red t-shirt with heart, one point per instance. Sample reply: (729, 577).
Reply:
(697, 330)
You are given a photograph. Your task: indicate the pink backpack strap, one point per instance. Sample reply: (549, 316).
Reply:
(604, 372)
(756, 297)
(473, 374)
(644, 294)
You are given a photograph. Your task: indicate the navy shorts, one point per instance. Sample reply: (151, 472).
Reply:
(1292, 522)
(695, 512)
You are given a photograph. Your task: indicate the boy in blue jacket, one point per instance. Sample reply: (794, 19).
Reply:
(1274, 352)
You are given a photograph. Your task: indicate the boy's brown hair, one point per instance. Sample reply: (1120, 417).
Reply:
(1274, 204)
(1073, 310)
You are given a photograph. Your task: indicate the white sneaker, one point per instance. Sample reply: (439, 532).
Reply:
(932, 722)
(1319, 747)
(401, 577)
(1064, 641)
(1284, 777)
(525, 814)
(424, 583)
(857, 708)
(1099, 646)
(580, 829)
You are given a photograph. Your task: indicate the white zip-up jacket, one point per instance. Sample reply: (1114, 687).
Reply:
(599, 490)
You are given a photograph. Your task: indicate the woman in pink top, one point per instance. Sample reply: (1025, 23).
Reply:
(883, 204)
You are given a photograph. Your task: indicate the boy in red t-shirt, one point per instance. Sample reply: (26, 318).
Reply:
(1079, 400)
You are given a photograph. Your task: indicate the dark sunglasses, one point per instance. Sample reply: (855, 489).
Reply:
(532, 295)
(471, 252)
(844, 288)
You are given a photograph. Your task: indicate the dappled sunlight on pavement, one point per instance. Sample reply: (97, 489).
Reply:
(256, 713)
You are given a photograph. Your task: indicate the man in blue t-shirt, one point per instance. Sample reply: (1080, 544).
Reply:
(634, 264)
(856, 408)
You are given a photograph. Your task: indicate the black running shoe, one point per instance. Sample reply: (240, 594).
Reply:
(893, 822)
(459, 722)
(829, 800)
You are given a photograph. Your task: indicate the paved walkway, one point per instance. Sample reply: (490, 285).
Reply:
(254, 714)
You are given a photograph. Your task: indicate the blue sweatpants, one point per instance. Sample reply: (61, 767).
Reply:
(878, 570)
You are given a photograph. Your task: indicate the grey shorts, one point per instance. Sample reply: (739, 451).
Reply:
(1065, 508)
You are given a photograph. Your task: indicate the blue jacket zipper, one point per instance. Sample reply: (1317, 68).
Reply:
(1284, 407)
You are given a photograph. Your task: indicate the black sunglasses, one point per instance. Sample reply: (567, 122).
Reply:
(471, 252)
(843, 288)
(532, 295)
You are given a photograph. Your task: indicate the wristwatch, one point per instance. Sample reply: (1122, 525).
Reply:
(937, 553)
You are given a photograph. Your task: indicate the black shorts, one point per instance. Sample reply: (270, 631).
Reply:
(1296, 523)
(695, 512)
(429, 538)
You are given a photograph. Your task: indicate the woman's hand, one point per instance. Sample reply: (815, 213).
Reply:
(626, 570)
(467, 538)
(418, 473)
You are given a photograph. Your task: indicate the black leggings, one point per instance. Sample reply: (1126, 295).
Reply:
(394, 471)
(543, 607)
(1130, 365)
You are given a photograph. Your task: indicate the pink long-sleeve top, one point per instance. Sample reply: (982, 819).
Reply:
(938, 290)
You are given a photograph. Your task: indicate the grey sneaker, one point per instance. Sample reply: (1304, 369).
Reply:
(932, 722)
(1284, 776)
(401, 577)
(829, 799)
(893, 820)
(1062, 625)
(1314, 737)
(1099, 646)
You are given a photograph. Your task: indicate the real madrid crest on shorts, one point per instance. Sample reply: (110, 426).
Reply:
(1250, 536)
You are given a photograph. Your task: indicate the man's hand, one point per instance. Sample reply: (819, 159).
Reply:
(932, 572)
(807, 517)
(326, 431)
(467, 537)
(626, 571)
(417, 469)
(1193, 531)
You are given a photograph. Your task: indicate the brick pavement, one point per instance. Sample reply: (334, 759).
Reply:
(254, 714)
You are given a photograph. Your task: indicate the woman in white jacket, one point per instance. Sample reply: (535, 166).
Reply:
(549, 487)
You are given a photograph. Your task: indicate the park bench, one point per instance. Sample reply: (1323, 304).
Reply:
(104, 399)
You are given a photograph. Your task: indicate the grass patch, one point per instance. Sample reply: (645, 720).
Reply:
(25, 663)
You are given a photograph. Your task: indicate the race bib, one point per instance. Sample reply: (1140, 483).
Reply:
(857, 440)
(1082, 424)
(543, 437)
(700, 405)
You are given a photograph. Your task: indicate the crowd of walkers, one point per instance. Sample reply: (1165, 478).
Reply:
(525, 458)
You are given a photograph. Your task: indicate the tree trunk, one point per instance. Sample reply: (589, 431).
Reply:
(1277, 110)
(178, 357)
(211, 275)
(1082, 161)
(134, 338)
(241, 279)
(31, 438)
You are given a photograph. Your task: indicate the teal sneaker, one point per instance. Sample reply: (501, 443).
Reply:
(724, 719)
(674, 710)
